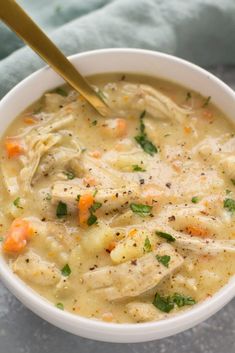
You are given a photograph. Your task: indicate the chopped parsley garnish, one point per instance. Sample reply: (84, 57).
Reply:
(70, 175)
(228, 191)
(163, 303)
(48, 197)
(141, 210)
(94, 122)
(16, 203)
(61, 210)
(100, 93)
(229, 204)
(182, 300)
(233, 181)
(78, 197)
(166, 304)
(66, 271)
(166, 236)
(60, 91)
(142, 139)
(147, 245)
(95, 192)
(95, 206)
(91, 220)
(188, 96)
(137, 168)
(195, 199)
(60, 306)
(207, 101)
(164, 260)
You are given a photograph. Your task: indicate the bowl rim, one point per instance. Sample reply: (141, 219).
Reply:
(92, 328)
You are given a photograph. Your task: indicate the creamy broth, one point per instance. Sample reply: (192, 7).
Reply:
(128, 218)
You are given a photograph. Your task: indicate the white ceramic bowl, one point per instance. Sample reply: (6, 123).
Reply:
(102, 61)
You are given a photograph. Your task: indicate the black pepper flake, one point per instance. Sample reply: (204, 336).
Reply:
(171, 218)
(134, 262)
(168, 185)
(116, 195)
(141, 181)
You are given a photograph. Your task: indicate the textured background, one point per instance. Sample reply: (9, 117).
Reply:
(23, 332)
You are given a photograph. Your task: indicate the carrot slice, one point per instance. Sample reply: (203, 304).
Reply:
(13, 148)
(16, 239)
(29, 120)
(197, 231)
(121, 127)
(84, 204)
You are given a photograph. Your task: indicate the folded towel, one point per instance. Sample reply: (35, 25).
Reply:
(202, 31)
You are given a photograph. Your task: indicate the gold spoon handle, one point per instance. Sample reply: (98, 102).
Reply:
(17, 19)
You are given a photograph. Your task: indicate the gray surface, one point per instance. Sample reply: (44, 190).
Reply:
(23, 332)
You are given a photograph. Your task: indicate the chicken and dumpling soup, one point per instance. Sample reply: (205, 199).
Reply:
(128, 218)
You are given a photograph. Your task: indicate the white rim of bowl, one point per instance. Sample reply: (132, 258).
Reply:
(91, 327)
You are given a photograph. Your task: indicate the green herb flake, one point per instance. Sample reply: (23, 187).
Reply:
(142, 139)
(147, 245)
(182, 300)
(146, 145)
(195, 199)
(95, 192)
(70, 175)
(60, 91)
(166, 304)
(141, 210)
(16, 203)
(95, 206)
(91, 220)
(207, 101)
(1, 239)
(188, 96)
(229, 205)
(137, 168)
(66, 271)
(100, 93)
(61, 210)
(60, 306)
(78, 198)
(233, 181)
(166, 236)
(163, 303)
(164, 260)
(227, 191)
(94, 122)
(48, 197)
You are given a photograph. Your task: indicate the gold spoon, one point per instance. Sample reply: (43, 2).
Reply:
(18, 20)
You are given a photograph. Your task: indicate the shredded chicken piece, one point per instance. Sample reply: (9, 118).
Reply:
(133, 278)
(189, 242)
(111, 199)
(144, 97)
(33, 268)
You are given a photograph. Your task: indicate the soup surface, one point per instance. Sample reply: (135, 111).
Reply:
(128, 218)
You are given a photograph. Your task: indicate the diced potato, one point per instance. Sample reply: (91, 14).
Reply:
(34, 269)
(132, 246)
(97, 238)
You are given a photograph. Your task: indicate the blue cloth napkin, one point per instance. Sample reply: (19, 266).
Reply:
(202, 31)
